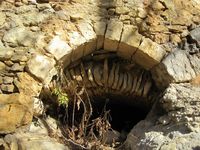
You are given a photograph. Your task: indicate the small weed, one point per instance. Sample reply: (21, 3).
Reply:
(61, 97)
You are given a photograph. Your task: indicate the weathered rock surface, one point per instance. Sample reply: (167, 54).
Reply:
(158, 140)
(37, 136)
(171, 131)
(30, 141)
(177, 67)
(176, 97)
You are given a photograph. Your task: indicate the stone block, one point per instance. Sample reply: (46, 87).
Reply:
(5, 54)
(91, 76)
(27, 85)
(112, 36)
(122, 10)
(40, 66)
(7, 88)
(105, 73)
(111, 77)
(91, 39)
(195, 35)
(124, 85)
(34, 18)
(77, 42)
(16, 67)
(98, 75)
(114, 86)
(100, 29)
(130, 41)
(181, 102)
(15, 111)
(38, 107)
(176, 67)
(31, 141)
(9, 122)
(7, 80)
(129, 82)
(120, 81)
(20, 36)
(19, 58)
(59, 48)
(149, 53)
(2, 66)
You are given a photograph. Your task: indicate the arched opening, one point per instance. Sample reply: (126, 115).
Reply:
(106, 93)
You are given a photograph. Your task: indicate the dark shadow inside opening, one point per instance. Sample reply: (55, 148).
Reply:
(123, 114)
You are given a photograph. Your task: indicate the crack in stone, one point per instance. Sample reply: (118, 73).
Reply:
(141, 40)
(120, 38)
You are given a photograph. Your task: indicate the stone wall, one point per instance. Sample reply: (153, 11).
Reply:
(160, 36)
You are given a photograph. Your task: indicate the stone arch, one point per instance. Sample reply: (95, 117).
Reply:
(112, 36)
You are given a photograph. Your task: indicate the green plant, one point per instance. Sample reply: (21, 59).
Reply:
(62, 97)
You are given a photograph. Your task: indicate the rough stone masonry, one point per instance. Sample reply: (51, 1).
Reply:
(161, 36)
